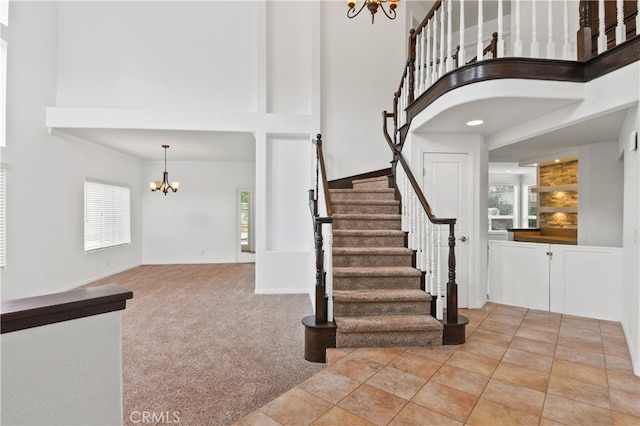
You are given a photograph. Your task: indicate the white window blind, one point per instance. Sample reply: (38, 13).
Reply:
(107, 216)
(3, 218)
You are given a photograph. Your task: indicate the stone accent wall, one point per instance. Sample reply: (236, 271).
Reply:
(553, 175)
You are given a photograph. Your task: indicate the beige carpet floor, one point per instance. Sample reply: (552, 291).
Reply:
(200, 348)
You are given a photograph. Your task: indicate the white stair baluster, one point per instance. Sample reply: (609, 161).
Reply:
(423, 61)
(427, 62)
(419, 225)
(517, 44)
(621, 28)
(329, 271)
(449, 37)
(535, 46)
(566, 46)
(602, 35)
(480, 44)
(432, 262)
(439, 301)
(442, 43)
(423, 261)
(551, 45)
(500, 47)
(461, 55)
(434, 66)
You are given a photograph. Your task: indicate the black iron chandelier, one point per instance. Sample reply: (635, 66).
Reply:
(373, 5)
(164, 186)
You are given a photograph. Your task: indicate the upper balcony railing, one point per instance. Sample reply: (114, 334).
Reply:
(538, 29)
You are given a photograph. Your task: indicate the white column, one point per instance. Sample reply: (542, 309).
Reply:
(500, 53)
(602, 36)
(440, 300)
(449, 37)
(566, 46)
(621, 28)
(461, 55)
(551, 45)
(517, 43)
(479, 45)
(535, 46)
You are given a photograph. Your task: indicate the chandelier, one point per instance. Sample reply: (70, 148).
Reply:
(164, 186)
(373, 5)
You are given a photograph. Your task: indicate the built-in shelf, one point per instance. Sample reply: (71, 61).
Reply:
(556, 209)
(569, 187)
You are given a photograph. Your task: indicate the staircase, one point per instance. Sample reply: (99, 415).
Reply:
(378, 299)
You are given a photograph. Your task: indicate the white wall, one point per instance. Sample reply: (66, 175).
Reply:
(45, 173)
(68, 373)
(361, 69)
(600, 195)
(199, 223)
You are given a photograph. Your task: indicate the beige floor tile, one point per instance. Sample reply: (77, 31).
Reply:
(580, 356)
(542, 316)
(417, 365)
(623, 381)
(625, 402)
(582, 372)
(492, 337)
(372, 404)
(257, 418)
(436, 353)
(338, 416)
(613, 339)
(533, 346)
(522, 376)
(382, 355)
(580, 343)
(487, 350)
(549, 327)
(624, 419)
(610, 327)
(357, 368)
(580, 322)
(515, 396)
(397, 382)
(570, 412)
(446, 400)
(415, 415)
(296, 407)
(537, 335)
(620, 364)
(538, 362)
(583, 333)
(461, 379)
(506, 317)
(579, 391)
(498, 327)
(620, 351)
(472, 362)
(329, 386)
(334, 355)
(491, 413)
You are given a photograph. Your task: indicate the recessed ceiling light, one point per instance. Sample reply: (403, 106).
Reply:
(557, 160)
(509, 171)
(475, 122)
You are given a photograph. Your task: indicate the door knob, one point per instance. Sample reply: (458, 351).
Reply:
(463, 238)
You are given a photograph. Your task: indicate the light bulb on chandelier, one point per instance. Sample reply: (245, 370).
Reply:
(164, 186)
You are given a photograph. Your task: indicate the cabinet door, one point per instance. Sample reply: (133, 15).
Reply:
(519, 274)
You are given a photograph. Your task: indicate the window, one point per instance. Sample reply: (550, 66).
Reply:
(502, 207)
(107, 215)
(530, 217)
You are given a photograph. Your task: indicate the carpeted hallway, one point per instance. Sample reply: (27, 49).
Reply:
(200, 348)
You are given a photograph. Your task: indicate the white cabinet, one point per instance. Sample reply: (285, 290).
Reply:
(575, 280)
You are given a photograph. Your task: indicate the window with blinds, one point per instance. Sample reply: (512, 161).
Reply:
(107, 215)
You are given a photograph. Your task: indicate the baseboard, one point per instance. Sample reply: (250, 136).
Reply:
(94, 279)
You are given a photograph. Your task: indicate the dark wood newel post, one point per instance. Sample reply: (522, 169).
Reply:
(584, 48)
(412, 64)
(321, 299)
(452, 287)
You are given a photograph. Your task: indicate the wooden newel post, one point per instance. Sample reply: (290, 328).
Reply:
(452, 287)
(321, 299)
(584, 40)
(412, 65)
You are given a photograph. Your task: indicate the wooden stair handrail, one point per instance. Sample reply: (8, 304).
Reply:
(325, 183)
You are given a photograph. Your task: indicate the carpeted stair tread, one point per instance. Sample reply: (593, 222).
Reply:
(352, 251)
(356, 201)
(368, 296)
(366, 216)
(387, 323)
(368, 232)
(376, 179)
(372, 190)
(380, 271)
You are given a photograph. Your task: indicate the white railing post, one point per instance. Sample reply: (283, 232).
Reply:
(439, 301)
(535, 46)
(517, 43)
(329, 270)
(432, 262)
(551, 45)
(602, 35)
(423, 62)
(621, 28)
(480, 45)
(427, 66)
(500, 47)
(449, 37)
(566, 46)
(442, 43)
(419, 225)
(461, 55)
(425, 236)
(434, 68)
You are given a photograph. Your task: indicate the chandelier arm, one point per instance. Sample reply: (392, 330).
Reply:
(392, 12)
(352, 14)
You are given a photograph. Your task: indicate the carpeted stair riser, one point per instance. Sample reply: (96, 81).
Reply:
(363, 194)
(368, 238)
(355, 303)
(358, 260)
(388, 339)
(375, 282)
(365, 207)
(363, 221)
(374, 182)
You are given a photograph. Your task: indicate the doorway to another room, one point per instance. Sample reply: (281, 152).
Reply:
(246, 225)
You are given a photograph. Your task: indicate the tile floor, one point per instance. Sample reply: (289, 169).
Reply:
(517, 367)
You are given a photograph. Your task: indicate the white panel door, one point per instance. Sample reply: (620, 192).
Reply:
(519, 274)
(448, 190)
